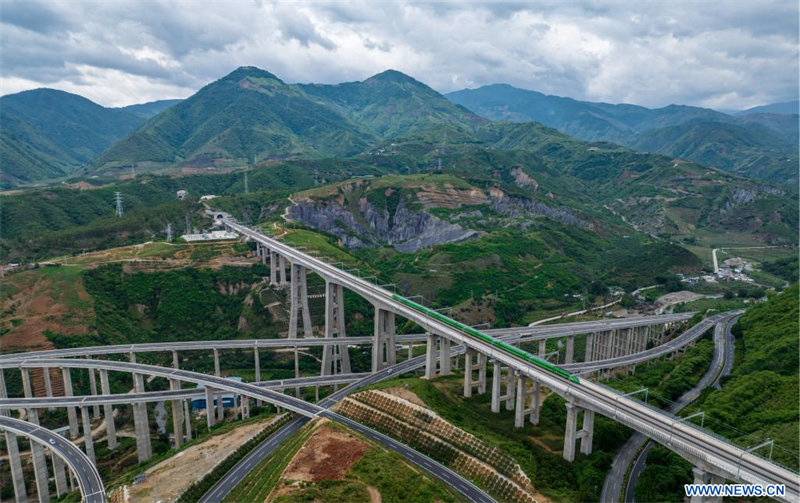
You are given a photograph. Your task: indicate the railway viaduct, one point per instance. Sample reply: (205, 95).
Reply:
(516, 382)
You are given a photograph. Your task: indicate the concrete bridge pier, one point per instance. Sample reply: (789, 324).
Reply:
(431, 356)
(210, 415)
(15, 461)
(59, 474)
(92, 389)
(298, 295)
(140, 422)
(273, 268)
(27, 390)
(88, 441)
(217, 371)
(72, 416)
(108, 411)
(522, 408)
(188, 420)
(470, 367)
(48, 385)
(444, 356)
(282, 269)
(39, 462)
(586, 434)
(570, 351)
(502, 376)
(384, 348)
(177, 414)
(589, 348)
(335, 359)
(257, 365)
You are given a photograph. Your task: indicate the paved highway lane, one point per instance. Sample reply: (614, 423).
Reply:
(89, 480)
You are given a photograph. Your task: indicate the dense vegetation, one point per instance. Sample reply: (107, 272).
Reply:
(760, 145)
(767, 359)
(48, 134)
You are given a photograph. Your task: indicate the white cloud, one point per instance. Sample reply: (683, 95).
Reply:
(651, 53)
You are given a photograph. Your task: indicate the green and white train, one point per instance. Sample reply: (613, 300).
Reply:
(524, 355)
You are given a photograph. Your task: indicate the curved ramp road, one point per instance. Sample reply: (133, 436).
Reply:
(89, 480)
(449, 477)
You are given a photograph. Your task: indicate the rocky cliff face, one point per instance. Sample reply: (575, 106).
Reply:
(406, 230)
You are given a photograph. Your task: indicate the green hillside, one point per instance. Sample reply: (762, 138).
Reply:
(760, 145)
(392, 104)
(48, 133)
(248, 116)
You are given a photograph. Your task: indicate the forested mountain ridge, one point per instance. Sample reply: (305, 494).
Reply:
(756, 144)
(48, 133)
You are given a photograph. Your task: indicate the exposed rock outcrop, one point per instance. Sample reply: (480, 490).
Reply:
(406, 230)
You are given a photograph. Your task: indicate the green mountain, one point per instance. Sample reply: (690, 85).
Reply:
(393, 104)
(49, 134)
(147, 110)
(761, 145)
(251, 115)
(248, 116)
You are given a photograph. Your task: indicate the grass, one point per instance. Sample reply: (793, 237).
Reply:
(317, 242)
(260, 481)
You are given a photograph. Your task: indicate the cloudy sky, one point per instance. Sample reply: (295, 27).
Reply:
(721, 54)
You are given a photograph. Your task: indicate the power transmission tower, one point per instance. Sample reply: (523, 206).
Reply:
(169, 233)
(118, 200)
(246, 186)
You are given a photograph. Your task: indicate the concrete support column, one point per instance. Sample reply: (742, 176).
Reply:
(140, 422)
(188, 420)
(536, 402)
(39, 462)
(15, 461)
(257, 365)
(273, 267)
(108, 411)
(569, 433)
(542, 348)
(587, 432)
(587, 357)
(93, 390)
(27, 390)
(384, 346)
(221, 406)
(175, 361)
(210, 416)
(59, 474)
(298, 296)
(482, 359)
(216, 363)
(511, 389)
(72, 416)
(468, 356)
(88, 441)
(700, 477)
(444, 356)
(522, 408)
(570, 355)
(519, 415)
(282, 269)
(48, 385)
(496, 371)
(430, 356)
(177, 415)
(715, 479)
(335, 358)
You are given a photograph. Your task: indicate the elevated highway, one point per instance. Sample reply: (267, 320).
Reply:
(700, 447)
(89, 481)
